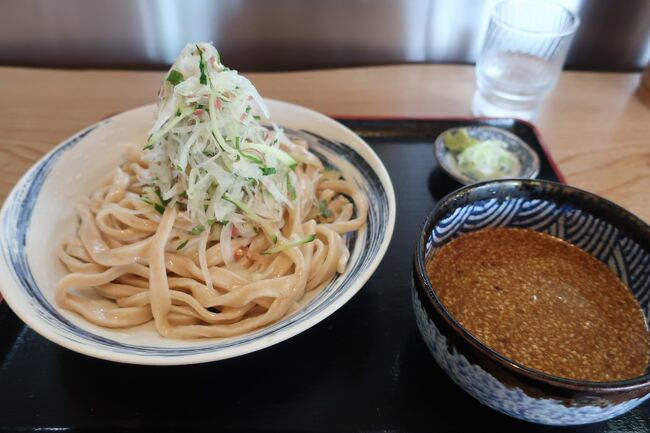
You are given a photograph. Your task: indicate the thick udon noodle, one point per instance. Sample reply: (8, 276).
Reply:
(130, 265)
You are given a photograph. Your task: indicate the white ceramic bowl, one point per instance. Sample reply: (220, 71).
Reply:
(39, 212)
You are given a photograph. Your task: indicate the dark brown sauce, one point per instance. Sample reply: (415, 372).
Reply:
(543, 303)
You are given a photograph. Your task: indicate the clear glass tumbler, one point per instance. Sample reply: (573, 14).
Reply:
(525, 47)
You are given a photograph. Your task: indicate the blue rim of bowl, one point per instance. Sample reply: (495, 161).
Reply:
(439, 152)
(420, 266)
(20, 203)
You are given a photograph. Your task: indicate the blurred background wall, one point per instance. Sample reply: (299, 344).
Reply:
(257, 35)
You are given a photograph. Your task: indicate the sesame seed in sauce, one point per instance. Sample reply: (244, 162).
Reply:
(543, 303)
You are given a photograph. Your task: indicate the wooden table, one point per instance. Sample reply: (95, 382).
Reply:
(596, 129)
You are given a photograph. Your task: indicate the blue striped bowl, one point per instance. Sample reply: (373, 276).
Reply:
(39, 213)
(601, 228)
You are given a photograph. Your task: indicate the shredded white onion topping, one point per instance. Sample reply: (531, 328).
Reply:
(209, 151)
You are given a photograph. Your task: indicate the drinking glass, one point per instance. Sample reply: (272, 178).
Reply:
(525, 47)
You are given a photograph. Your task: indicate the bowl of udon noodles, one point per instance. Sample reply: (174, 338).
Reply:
(232, 224)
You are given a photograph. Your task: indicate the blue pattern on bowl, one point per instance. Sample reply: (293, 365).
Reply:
(609, 233)
(595, 236)
(512, 401)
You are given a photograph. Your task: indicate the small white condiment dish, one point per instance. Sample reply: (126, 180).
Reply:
(527, 166)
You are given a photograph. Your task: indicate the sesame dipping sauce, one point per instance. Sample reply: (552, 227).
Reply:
(543, 303)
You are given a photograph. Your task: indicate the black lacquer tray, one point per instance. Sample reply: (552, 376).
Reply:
(364, 369)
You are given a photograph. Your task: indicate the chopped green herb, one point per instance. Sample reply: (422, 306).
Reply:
(267, 170)
(248, 156)
(198, 230)
(159, 208)
(325, 212)
(153, 198)
(248, 108)
(179, 168)
(290, 188)
(182, 245)
(184, 194)
(202, 67)
(256, 117)
(289, 244)
(175, 77)
(211, 221)
(178, 112)
(162, 200)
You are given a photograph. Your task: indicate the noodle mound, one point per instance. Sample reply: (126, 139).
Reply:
(130, 265)
(218, 226)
